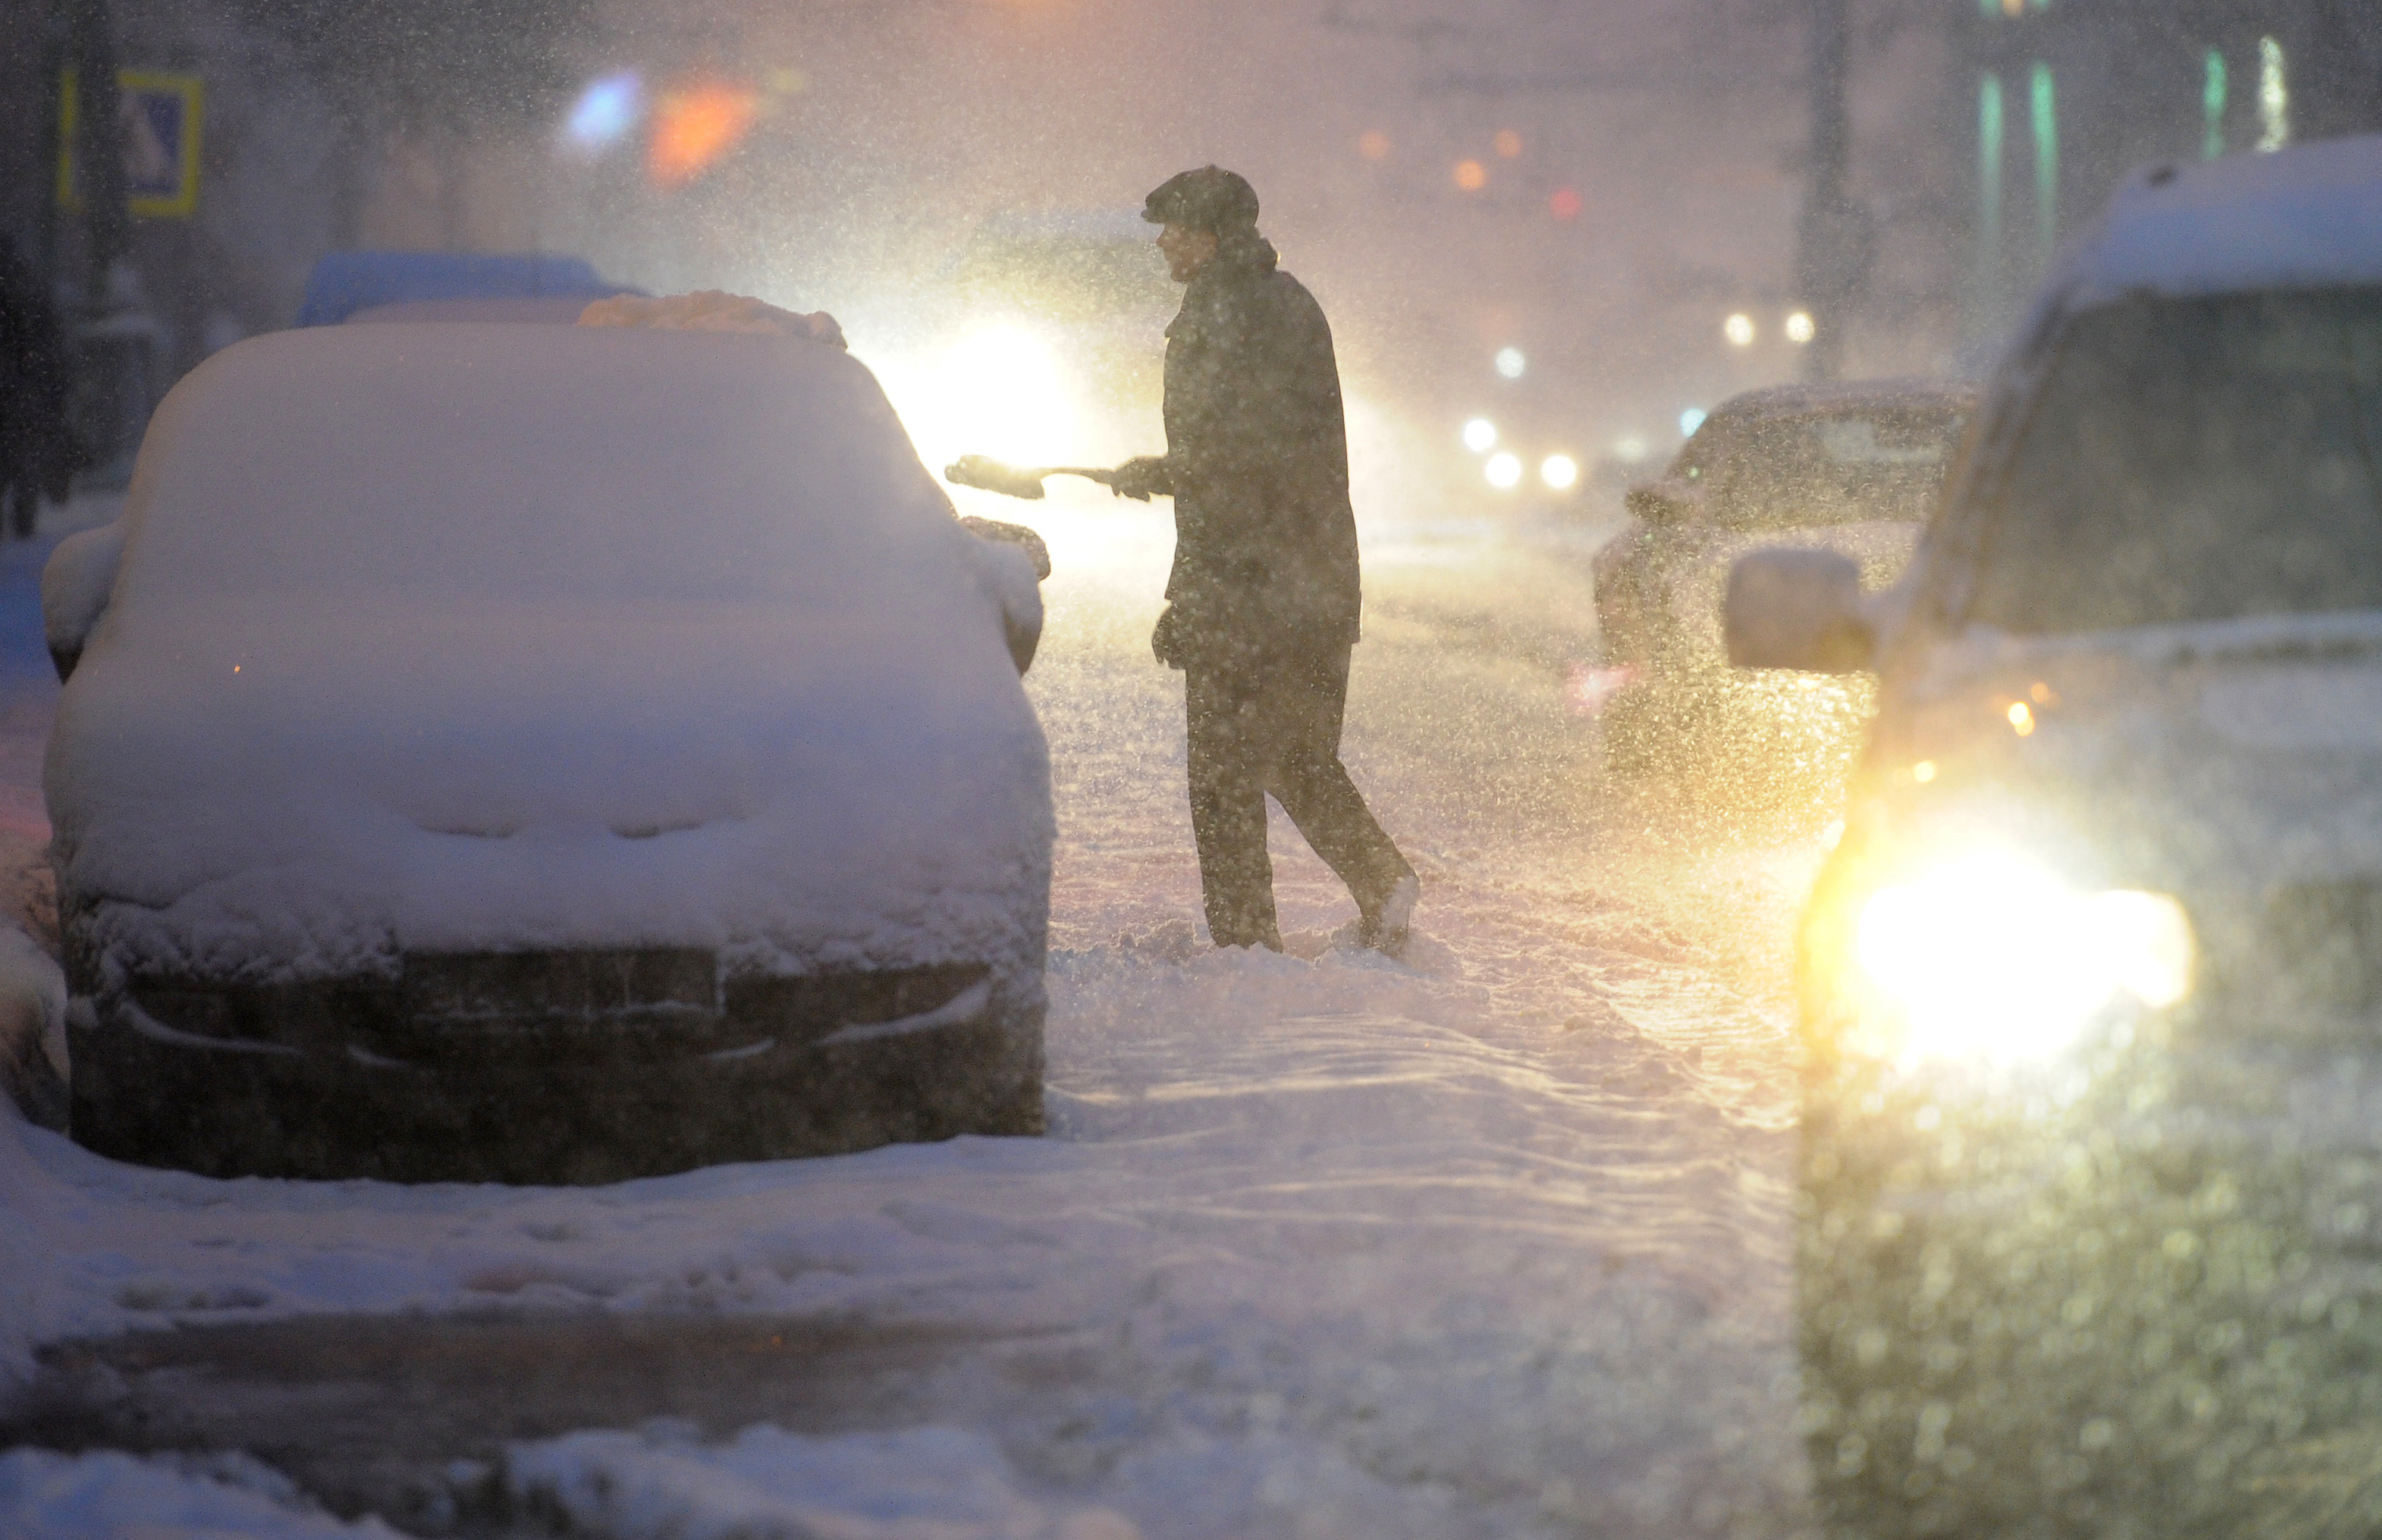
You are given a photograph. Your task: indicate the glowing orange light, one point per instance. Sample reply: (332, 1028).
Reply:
(1373, 144)
(694, 127)
(1567, 203)
(1507, 143)
(1471, 175)
(1923, 771)
(2021, 720)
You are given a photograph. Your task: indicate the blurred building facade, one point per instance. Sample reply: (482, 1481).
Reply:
(277, 174)
(269, 196)
(2064, 97)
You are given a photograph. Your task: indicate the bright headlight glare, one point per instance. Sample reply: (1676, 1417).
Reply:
(1996, 956)
(1503, 470)
(1005, 384)
(1480, 435)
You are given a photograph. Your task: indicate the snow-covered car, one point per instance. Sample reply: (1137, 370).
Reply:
(538, 752)
(2090, 1183)
(1853, 467)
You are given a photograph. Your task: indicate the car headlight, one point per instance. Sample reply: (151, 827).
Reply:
(1995, 955)
(1002, 392)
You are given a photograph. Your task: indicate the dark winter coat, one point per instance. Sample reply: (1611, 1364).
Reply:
(1257, 458)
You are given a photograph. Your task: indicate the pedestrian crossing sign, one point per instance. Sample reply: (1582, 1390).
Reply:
(160, 112)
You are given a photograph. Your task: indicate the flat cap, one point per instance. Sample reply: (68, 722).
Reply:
(1208, 199)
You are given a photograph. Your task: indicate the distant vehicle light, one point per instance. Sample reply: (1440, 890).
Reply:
(1480, 435)
(1471, 175)
(1800, 328)
(1373, 144)
(1995, 955)
(1739, 329)
(605, 111)
(1565, 204)
(1559, 471)
(1690, 421)
(1503, 470)
(1507, 143)
(1510, 362)
(694, 127)
(1631, 449)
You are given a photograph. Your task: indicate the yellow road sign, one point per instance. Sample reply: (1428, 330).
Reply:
(161, 115)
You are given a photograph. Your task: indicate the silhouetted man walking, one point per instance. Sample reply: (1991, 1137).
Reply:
(1262, 603)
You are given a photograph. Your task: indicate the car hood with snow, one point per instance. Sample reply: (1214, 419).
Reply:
(487, 638)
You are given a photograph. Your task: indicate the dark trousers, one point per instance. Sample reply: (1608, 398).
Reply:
(1276, 731)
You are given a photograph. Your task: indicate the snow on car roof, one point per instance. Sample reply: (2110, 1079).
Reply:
(520, 459)
(2305, 217)
(1812, 396)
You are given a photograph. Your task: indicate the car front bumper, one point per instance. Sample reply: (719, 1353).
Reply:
(2138, 1293)
(553, 1068)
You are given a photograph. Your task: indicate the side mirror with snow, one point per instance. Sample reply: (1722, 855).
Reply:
(1663, 503)
(1796, 609)
(1011, 573)
(1018, 535)
(75, 588)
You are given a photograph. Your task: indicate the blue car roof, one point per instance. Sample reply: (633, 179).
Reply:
(345, 282)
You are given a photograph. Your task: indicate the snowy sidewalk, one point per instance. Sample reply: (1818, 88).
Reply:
(1492, 1244)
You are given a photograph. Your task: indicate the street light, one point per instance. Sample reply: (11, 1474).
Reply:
(1510, 362)
(1503, 470)
(1480, 435)
(1739, 329)
(1561, 473)
(1800, 328)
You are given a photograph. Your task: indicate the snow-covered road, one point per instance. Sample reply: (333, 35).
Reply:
(1492, 1244)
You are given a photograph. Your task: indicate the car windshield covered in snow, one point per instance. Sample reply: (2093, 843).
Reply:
(763, 472)
(1879, 462)
(2195, 459)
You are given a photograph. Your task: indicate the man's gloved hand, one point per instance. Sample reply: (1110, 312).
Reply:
(1142, 477)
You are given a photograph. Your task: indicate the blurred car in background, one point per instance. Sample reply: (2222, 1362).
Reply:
(2090, 1219)
(451, 285)
(542, 753)
(1852, 467)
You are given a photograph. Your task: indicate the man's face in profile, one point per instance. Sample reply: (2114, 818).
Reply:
(1186, 251)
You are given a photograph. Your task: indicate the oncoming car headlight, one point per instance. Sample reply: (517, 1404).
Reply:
(1995, 955)
(1010, 380)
